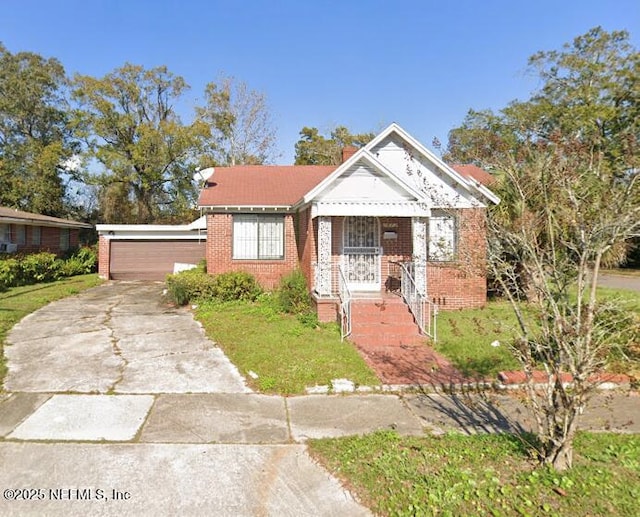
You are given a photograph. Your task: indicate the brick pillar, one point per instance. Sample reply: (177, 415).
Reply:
(104, 256)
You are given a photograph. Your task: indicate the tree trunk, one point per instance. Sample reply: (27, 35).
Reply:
(563, 458)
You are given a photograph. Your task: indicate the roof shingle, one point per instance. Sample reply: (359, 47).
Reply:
(262, 185)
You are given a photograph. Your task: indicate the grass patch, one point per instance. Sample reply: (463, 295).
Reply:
(17, 302)
(483, 475)
(465, 337)
(287, 355)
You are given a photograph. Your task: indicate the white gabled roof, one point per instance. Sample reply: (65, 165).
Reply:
(468, 184)
(362, 155)
(365, 155)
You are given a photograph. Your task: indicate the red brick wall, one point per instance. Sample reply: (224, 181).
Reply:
(395, 250)
(452, 285)
(104, 255)
(219, 252)
(463, 283)
(49, 239)
(326, 309)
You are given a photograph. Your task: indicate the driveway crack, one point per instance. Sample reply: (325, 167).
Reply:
(115, 345)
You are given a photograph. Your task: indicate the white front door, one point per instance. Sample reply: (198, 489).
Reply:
(361, 253)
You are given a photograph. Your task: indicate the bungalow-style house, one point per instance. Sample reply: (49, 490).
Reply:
(393, 217)
(26, 232)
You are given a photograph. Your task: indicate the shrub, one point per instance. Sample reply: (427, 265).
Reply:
(82, 261)
(190, 285)
(293, 293)
(39, 267)
(9, 273)
(235, 285)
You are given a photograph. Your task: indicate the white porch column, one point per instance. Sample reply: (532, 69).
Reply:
(419, 233)
(323, 276)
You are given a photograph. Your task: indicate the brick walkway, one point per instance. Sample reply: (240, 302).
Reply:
(414, 364)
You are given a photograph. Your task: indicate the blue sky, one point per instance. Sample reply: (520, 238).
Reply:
(363, 64)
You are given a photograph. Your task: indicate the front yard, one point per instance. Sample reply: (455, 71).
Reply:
(286, 354)
(477, 340)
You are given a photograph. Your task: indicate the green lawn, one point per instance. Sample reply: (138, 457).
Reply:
(286, 355)
(466, 336)
(483, 475)
(17, 302)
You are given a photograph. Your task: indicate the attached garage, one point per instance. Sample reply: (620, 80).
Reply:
(149, 252)
(151, 260)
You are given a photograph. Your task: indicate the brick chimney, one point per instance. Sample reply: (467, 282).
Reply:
(348, 152)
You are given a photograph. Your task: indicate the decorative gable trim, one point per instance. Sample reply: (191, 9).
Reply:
(473, 187)
(362, 155)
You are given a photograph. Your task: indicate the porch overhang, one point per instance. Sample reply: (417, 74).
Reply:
(370, 208)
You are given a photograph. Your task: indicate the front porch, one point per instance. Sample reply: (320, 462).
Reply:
(371, 258)
(366, 250)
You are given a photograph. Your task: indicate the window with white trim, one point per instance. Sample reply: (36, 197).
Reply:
(442, 245)
(258, 237)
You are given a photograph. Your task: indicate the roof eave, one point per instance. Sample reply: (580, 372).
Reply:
(249, 208)
(39, 222)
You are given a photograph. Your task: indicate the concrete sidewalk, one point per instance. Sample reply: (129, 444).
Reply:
(261, 419)
(221, 454)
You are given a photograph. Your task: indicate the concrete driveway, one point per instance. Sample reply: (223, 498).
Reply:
(119, 405)
(116, 338)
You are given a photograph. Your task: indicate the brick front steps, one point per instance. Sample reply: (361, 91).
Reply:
(388, 339)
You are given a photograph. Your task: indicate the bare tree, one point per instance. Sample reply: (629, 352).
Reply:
(565, 218)
(239, 119)
(567, 167)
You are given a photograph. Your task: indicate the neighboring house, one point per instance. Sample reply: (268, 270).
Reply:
(352, 228)
(26, 232)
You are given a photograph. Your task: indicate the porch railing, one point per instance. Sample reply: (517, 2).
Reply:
(345, 304)
(424, 311)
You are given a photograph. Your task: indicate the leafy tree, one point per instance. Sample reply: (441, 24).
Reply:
(316, 149)
(35, 133)
(130, 126)
(240, 124)
(567, 167)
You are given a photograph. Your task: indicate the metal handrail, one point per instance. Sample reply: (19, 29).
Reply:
(424, 312)
(345, 304)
